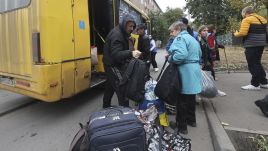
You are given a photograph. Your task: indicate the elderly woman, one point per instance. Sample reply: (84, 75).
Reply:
(186, 53)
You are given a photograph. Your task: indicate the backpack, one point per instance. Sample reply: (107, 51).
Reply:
(134, 79)
(169, 85)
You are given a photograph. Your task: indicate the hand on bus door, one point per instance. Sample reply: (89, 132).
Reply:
(136, 53)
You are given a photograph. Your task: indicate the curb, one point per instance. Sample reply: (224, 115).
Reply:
(220, 139)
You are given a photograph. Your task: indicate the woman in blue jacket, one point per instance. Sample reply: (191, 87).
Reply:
(185, 51)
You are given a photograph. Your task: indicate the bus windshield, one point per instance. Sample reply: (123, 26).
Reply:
(9, 5)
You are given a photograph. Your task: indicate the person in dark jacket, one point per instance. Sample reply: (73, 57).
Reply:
(253, 30)
(207, 58)
(189, 29)
(116, 55)
(143, 43)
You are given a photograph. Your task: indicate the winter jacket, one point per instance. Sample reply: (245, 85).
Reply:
(187, 54)
(206, 58)
(253, 31)
(144, 47)
(116, 51)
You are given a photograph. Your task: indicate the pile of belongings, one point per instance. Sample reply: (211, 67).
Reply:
(152, 100)
(158, 139)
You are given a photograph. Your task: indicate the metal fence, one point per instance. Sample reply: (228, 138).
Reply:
(229, 39)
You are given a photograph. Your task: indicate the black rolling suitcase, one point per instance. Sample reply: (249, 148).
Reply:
(116, 129)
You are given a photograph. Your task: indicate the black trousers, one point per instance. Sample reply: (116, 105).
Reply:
(253, 56)
(153, 54)
(185, 110)
(112, 85)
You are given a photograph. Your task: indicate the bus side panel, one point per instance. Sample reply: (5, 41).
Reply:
(48, 88)
(68, 79)
(15, 42)
(81, 29)
(56, 31)
(82, 75)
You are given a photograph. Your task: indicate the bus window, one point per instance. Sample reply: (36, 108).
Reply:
(9, 5)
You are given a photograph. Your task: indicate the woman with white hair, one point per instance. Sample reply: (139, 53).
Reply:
(186, 53)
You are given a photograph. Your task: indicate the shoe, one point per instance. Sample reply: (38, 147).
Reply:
(192, 124)
(184, 132)
(173, 125)
(221, 93)
(156, 69)
(251, 87)
(263, 106)
(264, 86)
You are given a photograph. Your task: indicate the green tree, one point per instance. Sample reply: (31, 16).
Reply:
(160, 22)
(224, 14)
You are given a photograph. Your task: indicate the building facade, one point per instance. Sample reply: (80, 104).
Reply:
(146, 5)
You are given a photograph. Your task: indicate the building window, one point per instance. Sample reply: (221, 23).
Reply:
(141, 1)
(9, 5)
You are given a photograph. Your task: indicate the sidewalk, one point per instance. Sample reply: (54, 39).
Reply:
(238, 108)
(235, 114)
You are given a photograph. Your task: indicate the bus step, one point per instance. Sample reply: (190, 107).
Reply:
(97, 79)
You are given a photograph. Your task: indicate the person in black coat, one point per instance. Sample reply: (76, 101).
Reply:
(116, 55)
(144, 43)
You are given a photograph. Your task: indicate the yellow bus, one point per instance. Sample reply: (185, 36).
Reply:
(45, 45)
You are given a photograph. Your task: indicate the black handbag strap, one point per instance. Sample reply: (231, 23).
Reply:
(162, 69)
(259, 20)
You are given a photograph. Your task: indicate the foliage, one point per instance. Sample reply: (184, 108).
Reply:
(261, 142)
(160, 22)
(224, 14)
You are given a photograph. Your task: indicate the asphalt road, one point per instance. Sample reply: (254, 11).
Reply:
(42, 126)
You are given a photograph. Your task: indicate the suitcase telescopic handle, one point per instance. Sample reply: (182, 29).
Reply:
(111, 110)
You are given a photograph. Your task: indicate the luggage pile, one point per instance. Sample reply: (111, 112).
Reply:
(152, 100)
(157, 138)
(124, 129)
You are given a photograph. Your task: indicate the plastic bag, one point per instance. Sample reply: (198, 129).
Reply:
(209, 89)
(149, 90)
(94, 55)
(169, 141)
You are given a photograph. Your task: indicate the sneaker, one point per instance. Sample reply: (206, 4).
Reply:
(251, 87)
(264, 86)
(156, 69)
(221, 93)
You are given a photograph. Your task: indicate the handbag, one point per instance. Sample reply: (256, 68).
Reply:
(169, 83)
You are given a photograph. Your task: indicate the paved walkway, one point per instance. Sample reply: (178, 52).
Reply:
(238, 108)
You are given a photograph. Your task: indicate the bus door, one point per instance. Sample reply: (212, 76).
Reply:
(82, 44)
